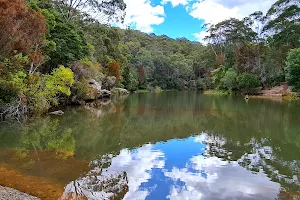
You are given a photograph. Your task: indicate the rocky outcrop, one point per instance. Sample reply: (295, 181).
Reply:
(95, 84)
(90, 89)
(119, 92)
(109, 82)
(95, 91)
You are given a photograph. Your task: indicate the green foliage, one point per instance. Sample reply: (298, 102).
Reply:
(201, 84)
(139, 60)
(12, 76)
(158, 90)
(293, 68)
(274, 71)
(143, 91)
(130, 78)
(43, 134)
(218, 92)
(283, 19)
(290, 97)
(208, 82)
(229, 81)
(60, 81)
(66, 42)
(42, 91)
(81, 89)
(36, 91)
(217, 76)
(247, 81)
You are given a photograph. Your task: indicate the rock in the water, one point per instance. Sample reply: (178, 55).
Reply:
(58, 112)
(105, 93)
(119, 92)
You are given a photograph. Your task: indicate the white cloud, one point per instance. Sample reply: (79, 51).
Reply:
(222, 180)
(175, 2)
(136, 163)
(142, 15)
(214, 11)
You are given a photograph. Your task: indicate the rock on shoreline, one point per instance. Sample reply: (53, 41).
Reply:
(12, 194)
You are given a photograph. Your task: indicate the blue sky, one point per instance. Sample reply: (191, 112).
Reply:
(178, 23)
(184, 18)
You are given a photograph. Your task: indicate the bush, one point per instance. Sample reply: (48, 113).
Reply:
(158, 89)
(229, 81)
(290, 97)
(247, 81)
(200, 84)
(217, 75)
(81, 89)
(208, 82)
(293, 68)
(130, 78)
(42, 91)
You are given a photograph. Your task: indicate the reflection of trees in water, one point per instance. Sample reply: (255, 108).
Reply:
(44, 134)
(98, 183)
(260, 131)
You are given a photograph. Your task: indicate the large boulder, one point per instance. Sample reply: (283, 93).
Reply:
(109, 82)
(119, 92)
(94, 84)
(94, 90)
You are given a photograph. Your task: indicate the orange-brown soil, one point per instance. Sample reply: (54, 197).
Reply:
(43, 174)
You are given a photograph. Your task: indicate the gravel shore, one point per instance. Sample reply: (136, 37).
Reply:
(12, 194)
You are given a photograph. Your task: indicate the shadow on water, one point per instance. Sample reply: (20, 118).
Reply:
(162, 146)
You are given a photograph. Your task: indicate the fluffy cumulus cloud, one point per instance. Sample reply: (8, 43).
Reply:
(141, 15)
(222, 180)
(136, 163)
(214, 11)
(175, 2)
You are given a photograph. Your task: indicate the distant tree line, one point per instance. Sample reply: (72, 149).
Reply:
(50, 48)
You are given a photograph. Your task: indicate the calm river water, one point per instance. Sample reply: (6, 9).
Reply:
(171, 145)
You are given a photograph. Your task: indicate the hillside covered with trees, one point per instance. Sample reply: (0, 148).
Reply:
(51, 49)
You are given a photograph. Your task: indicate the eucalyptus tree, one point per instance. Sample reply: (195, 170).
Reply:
(283, 28)
(284, 23)
(103, 10)
(225, 36)
(256, 21)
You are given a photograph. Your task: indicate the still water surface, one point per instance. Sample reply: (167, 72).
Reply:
(172, 145)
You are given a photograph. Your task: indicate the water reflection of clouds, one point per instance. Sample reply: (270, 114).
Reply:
(138, 164)
(180, 169)
(222, 180)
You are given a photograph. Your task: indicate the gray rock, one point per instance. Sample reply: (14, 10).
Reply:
(109, 82)
(95, 84)
(105, 93)
(12, 194)
(58, 112)
(119, 92)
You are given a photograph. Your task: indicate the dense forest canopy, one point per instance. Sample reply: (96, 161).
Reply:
(49, 49)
